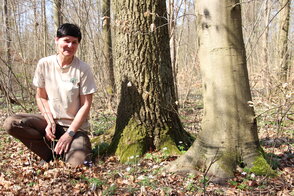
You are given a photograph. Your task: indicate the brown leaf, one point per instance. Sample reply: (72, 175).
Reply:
(252, 183)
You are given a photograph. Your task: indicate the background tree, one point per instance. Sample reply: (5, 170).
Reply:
(229, 132)
(6, 82)
(172, 41)
(45, 28)
(147, 115)
(57, 13)
(108, 57)
(283, 54)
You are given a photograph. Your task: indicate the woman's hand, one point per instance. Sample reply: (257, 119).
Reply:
(63, 143)
(50, 131)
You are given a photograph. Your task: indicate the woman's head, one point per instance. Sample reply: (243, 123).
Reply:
(68, 29)
(67, 39)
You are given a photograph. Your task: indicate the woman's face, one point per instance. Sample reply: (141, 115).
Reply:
(67, 45)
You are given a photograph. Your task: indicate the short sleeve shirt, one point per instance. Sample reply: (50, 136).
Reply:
(64, 85)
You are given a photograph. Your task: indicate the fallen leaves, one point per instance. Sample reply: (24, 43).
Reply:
(110, 177)
(21, 174)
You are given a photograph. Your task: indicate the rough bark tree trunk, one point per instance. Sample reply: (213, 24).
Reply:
(229, 133)
(283, 55)
(147, 115)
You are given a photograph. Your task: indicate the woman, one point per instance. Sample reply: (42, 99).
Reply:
(65, 87)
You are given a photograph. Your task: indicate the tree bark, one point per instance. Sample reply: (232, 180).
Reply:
(8, 78)
(147, 115)
(229, 132)
(57, 13)
(106, 33)
(172, 41)
(45, 33)
(265, 44)
(36, 24)
(283, 55)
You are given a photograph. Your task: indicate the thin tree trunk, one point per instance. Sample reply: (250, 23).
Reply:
(82, 22)
(283, 55)
(172, 41)
(266, 78)
(106, 33)
(45, 33)
(36, 24)
(57, 13)
(8, 81)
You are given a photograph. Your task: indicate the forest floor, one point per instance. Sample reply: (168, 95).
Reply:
(21, 174)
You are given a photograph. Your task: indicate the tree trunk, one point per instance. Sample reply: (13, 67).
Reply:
(172, 41)
(147, 115)
(8, 78)
(106, 33)
(36, 24)
(265, 40)
(283, 56)
(45, 34)
(57, 13)
(229, 132)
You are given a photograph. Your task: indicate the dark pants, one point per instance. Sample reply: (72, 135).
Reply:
(30, 130)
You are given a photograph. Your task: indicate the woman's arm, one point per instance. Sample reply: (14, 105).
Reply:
(83, 113)
(42, 102)
(65, 140)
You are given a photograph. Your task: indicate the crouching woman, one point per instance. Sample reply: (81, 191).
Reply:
(64, 91)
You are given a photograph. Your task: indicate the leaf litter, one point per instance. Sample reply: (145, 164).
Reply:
(21, 173)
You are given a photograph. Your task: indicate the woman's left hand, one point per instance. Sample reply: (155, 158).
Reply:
(63, 143)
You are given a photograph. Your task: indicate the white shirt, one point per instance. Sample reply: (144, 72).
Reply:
(64, 85)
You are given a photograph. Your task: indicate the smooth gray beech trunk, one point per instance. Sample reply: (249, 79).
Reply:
(229, 132)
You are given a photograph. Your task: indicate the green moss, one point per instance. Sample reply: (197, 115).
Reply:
(132, 153)
(168, 146)
(261, 167)
(132, 142)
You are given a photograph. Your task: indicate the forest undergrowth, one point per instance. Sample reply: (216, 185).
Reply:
(22, 174)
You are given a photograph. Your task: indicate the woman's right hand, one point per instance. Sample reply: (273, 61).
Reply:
(50, 131)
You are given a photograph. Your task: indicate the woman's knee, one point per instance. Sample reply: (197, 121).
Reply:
(80, 150)
(77, 157)
(9, 124)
